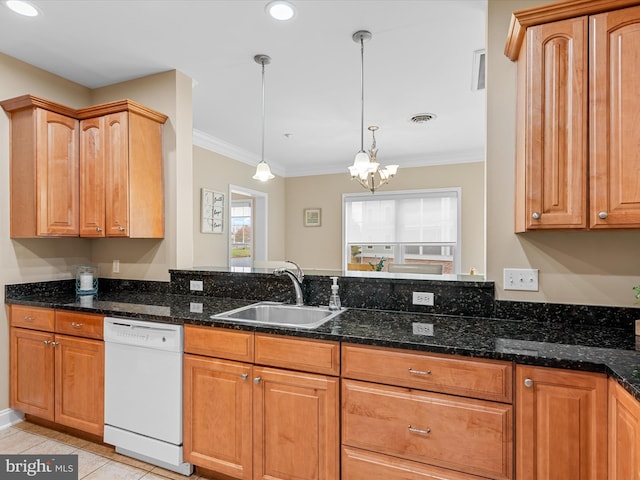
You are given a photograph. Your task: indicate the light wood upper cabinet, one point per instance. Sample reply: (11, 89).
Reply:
(615, 119)
(624, 434)
(93, 172)
(43, 168)
(561, 424)
(577, 162)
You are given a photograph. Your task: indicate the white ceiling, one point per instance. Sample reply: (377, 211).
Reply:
(419, 60)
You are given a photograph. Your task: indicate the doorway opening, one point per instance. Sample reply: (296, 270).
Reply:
(248, 227)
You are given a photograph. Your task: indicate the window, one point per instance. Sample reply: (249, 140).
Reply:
(407, 231)
(241, 233)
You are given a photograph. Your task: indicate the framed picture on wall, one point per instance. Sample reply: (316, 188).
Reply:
(212, 211)
(312, 217)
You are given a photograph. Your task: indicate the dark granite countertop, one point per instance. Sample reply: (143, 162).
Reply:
(588, 348)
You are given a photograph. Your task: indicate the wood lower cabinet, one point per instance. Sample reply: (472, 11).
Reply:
(577, 115)
(412, 422)
(624, 434)
(295, 425)
(56, 377)
(218, 415)
(561, 424)
(252, 421)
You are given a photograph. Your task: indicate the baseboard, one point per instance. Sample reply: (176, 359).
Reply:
(10, 417)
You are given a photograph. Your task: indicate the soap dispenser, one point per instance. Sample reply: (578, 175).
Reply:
(334, 299)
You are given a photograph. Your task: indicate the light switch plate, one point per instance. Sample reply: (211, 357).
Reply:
(521, 279)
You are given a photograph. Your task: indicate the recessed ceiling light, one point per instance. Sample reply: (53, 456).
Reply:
(22, 7)
(281, 10)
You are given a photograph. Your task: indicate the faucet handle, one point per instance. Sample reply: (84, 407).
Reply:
(299, 272)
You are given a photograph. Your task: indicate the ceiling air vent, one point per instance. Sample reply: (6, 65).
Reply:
(478, 75)
(422, 117)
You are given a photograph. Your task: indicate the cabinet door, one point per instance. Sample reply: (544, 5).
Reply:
(561, 424)
(116, 141)
(295, 431)
(624, 434)
(92, 194)
(217, 415)
(32, 388)
(79, 373)
(56, 174)
(615, 119)
(553, 170)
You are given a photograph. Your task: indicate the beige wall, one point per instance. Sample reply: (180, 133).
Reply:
(31, 260)
(575, 267)
(321, 247)
(216, 172)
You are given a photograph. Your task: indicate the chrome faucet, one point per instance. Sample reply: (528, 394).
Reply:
(296, 278)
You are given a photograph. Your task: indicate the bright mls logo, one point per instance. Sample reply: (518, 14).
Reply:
(50, 467)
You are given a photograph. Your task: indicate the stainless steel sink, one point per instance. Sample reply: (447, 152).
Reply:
(271, 313)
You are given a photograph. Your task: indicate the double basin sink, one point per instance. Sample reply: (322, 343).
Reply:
(280, 314)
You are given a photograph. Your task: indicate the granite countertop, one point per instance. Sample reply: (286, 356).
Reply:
(588, 348)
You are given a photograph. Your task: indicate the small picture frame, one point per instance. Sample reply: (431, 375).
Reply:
(312, 217)
(212, 211)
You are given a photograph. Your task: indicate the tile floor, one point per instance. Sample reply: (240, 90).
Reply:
(95, 461)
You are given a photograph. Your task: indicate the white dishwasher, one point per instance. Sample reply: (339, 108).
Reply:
(143, 391)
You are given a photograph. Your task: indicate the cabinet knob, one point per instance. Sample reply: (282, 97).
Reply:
(244, 376)
(55, 344)
(528, 382)
(98, 229)
(536, 215)
(603, 215)
(257, 380)
(120, 228)
(419, 372)
(420, 431)
(47, 342)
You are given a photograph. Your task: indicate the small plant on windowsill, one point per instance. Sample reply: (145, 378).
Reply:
(637, 294)
(377, 267)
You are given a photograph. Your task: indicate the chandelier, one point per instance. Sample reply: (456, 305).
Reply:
(366, 169)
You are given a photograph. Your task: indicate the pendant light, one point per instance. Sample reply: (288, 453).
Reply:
(263, 172)
(366, 168)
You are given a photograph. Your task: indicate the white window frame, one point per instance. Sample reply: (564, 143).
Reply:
(404, 194)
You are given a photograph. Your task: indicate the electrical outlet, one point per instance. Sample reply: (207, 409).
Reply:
(116, 266)
(423, 329)
(521, 279)
(195, 307)
(196, 285)
(422, 298)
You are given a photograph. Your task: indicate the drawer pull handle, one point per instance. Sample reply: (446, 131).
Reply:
(28, 317)
(419, 372)
(417, 430)
(244, 376)
(76, 325)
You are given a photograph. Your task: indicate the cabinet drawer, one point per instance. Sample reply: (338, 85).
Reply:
(32, 317)
(468, 435)
(480, 378)
(316, 356)
(363, 465)
(219, 342)
(79, 324)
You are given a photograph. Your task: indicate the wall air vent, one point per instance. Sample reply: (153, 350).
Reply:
(422, 117)
(478, 75)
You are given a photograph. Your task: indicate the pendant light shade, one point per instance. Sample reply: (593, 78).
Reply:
(263, 172)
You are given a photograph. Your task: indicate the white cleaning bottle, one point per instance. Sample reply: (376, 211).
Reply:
(334, 299)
